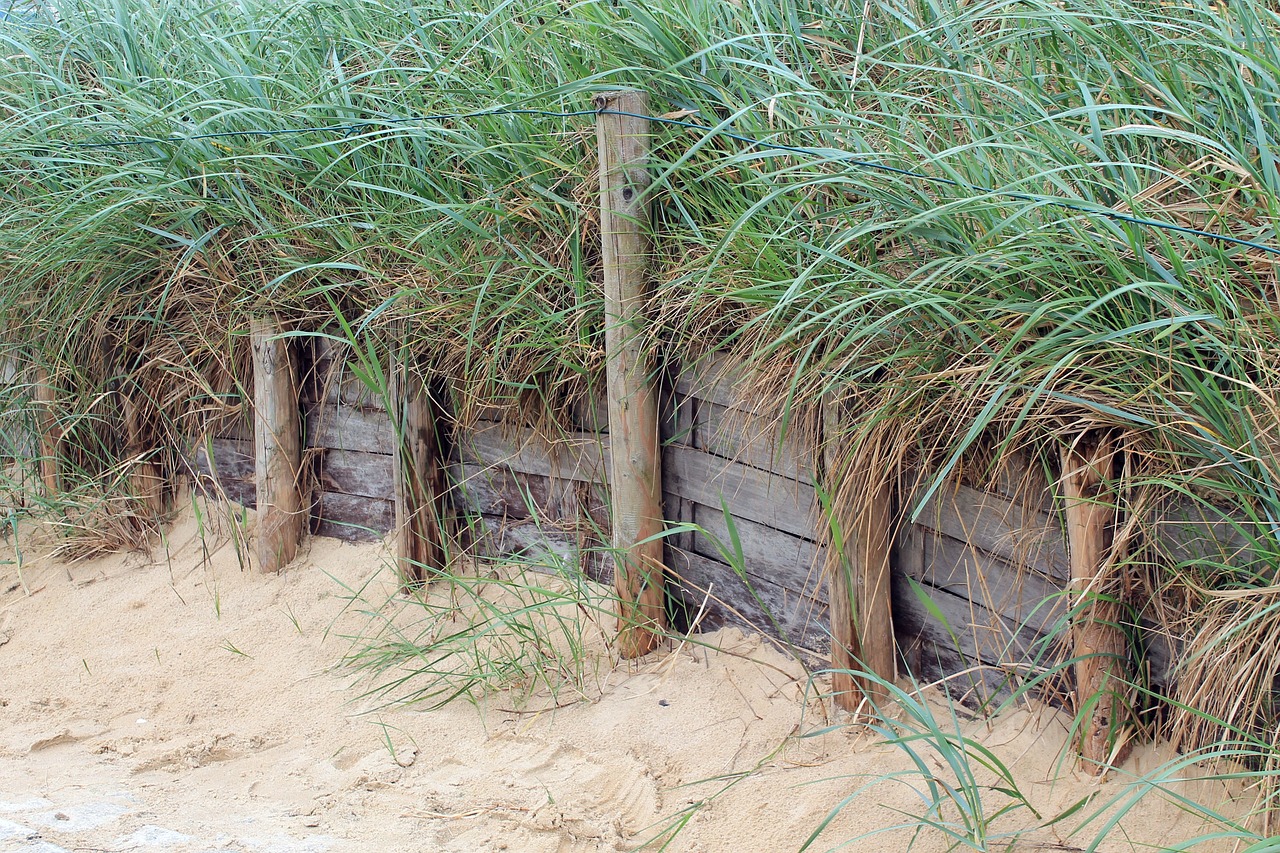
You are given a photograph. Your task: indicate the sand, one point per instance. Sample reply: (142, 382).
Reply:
(179, 702)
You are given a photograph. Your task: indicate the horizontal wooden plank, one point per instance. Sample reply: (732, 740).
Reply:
(1188, 531)
(977, 633)
(352, 518)
(786, 560)
(548, 547)
(347, 428)
(998, 526)
(232, 459)
(749, 439)
(591, 414)
(581, 456)
(750, 493)
(349, 472)
(989, 651)
(765, 607)
(717, 379)
(333, 380)
(1022, 596)
(242, 492)
(497, 490)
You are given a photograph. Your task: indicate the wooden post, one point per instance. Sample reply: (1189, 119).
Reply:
(420, 482)
(43, 395)
(635, 460)
(277, 448)
(859, 595)
(144, 477)
(1100, 646)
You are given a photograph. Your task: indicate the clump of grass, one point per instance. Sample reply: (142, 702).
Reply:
(523, 630)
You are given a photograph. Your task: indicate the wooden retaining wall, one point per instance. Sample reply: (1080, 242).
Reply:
(994, 568)
(992, 564)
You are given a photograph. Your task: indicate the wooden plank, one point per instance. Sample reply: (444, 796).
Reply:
(581, 456)
(718, 379)
(591, 414)
(232, 459)
(1099, 645)
(539, 546)
(277, 448)
(337, 384)
(352, 518)
(349, 472)
(998, 526)
(145, 480)
(860, 538)
(636, 466)
(766, 607)
(1188, 530)
(750, 440)
(230, 473)
(786, 559)
(1020, 595)
(499, 491)
(347, 428)
(750, 493)
(971, 636)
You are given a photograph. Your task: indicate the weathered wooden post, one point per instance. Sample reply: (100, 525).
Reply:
(144, 476)
(43, 395)
(1100, 646)
(635, 460)
(859, 574)
(421, 487)
(277, 444)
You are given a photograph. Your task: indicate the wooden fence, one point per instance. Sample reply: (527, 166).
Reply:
(987, 587)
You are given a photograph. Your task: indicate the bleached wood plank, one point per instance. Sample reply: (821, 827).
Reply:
(750, 440)
(353, 518)
(752, 494)
(998, 526)
(370, 475)
(347, 428)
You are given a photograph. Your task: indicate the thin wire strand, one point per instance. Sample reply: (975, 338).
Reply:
(849, 158)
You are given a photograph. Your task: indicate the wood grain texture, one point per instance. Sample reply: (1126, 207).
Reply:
(635, 464)
(752, 494)
(50, 434)
(230, 472)
(352, 518)
(749, 439)
(498, 490)
(1099, 643)
(724, 597)
(369, 475)
(858, 577)
(991, 652)
(998, 526)
(146, 481)
(419, 477)
(720, 380)
(1019, 594)
(347, 428)
(580, 456)
(277, 448)
(791, 560)
(333, 381)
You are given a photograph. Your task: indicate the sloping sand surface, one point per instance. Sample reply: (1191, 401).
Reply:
(181, 703)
